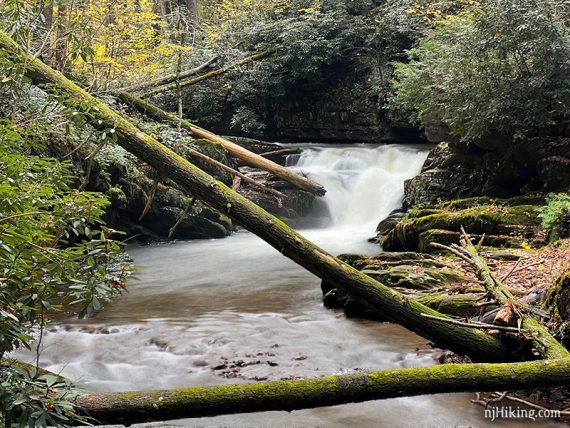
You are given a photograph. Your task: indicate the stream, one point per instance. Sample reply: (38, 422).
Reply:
(198, 308)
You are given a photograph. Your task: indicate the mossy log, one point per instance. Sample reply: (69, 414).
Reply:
(546, 345)
(235, 150)
(148, 406)
(388, 259)
(397, 307)
(187, 82)
(234, 173)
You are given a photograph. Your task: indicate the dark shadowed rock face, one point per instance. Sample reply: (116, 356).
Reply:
(337, 114)
(460, 170)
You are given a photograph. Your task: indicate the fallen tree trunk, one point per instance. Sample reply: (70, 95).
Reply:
(148, 406)
(395, 306)
(213, 73)
(233, 149)
(235, 173)
(546, 345)
(169, 79)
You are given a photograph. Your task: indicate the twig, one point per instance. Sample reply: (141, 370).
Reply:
(181, 218)
(149, 199)
(504, 277)
(480, 244)
(451, 250)
(235, 172)
(530, 404)
(482, 326)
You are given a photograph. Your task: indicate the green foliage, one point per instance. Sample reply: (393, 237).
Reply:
(31, 400)
(314, 41)
(55, 251)
(556, 215)
(502, 68)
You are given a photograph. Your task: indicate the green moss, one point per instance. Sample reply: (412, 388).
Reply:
(461, 305)
(461, 204)
(414, 278)
(447, 237)
(488, 219)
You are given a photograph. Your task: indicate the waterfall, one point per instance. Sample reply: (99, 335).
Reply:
(364, 184)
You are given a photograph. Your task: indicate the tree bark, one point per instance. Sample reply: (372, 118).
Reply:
(235, 150)
(395, 306)
(236, 173)
(546, 345)
(169, 79)
(172, 86)
(148, 406)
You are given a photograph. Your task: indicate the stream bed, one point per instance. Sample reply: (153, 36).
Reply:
(214, 312)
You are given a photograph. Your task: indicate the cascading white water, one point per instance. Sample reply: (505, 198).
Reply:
(364, 184)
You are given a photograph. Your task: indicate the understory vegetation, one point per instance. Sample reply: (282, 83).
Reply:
(478, 69)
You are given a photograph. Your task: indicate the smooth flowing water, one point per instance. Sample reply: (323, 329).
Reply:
(198, 308)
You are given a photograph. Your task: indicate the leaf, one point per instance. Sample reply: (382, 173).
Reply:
(50, 380)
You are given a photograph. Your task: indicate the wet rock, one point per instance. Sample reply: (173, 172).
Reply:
(494, 167)
(159, 343)
(386, 225)
(415, 231)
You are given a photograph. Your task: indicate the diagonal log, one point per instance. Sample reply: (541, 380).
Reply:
(546, 345)
(235, 173)
(213, 73)
(395, 306)
(148, 406)
(235, 150)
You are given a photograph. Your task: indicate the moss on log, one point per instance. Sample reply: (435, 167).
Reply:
(544, 342)
(148, 406)
(448, 237)
(395, 306)
(235, 150)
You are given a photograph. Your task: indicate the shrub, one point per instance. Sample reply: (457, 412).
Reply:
(54, 250)
(556, 215)
(501, 68)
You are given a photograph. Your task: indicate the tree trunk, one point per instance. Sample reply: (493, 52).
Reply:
(235, 150)
(213, 73)
(148, 406)
(236, 173)
(546, 345)
(395, 306)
